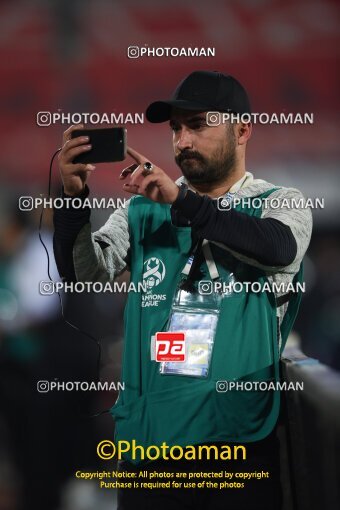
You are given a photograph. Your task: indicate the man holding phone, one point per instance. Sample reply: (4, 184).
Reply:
(176, 236)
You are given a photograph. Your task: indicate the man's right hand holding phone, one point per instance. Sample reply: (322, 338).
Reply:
(74, 175)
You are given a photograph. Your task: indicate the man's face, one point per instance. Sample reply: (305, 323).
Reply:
(205, 154)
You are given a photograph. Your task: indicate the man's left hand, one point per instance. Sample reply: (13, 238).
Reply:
(156, 185)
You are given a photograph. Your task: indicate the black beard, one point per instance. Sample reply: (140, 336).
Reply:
(203, 171)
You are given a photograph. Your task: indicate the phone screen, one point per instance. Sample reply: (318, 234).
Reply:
(108, 144)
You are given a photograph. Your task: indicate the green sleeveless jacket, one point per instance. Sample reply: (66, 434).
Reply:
(183, 410)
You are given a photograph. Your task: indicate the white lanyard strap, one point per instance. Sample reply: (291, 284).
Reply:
(188, 265)
(212, 268)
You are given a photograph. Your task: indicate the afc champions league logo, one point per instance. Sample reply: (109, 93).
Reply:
(154, 272)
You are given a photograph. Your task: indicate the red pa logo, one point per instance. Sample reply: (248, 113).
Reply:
(170, 346)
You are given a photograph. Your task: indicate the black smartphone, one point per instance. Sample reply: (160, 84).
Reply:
(108, 144)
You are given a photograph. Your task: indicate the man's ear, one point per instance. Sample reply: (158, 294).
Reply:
(243, 132)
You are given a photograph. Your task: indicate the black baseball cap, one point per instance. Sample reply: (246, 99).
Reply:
(203, 91)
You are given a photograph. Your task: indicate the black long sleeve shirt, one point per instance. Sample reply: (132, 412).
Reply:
(266, 240)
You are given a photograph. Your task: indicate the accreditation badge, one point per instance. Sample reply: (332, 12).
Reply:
(195, 315)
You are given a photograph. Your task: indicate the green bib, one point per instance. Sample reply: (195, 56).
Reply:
(183, 410)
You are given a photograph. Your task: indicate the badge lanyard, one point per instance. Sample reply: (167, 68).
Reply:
(195, 314)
